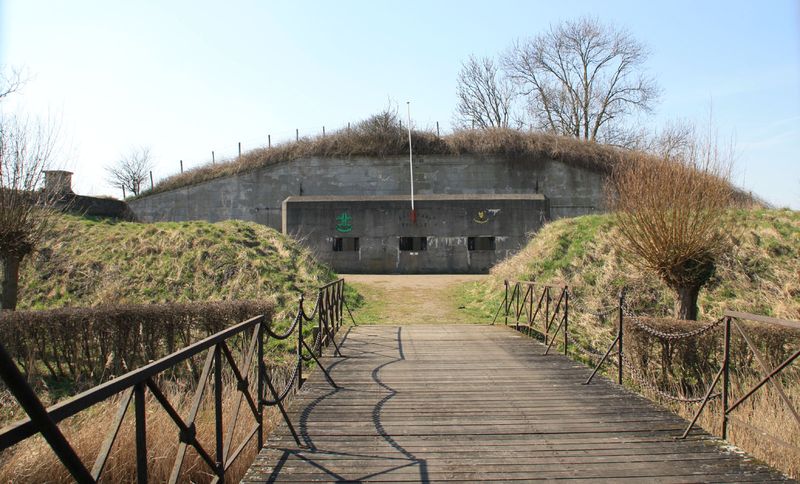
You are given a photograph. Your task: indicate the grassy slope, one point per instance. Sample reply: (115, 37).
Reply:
(761, 274)
(87, 262)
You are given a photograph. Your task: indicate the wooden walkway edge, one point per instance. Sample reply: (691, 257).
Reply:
(472, 403)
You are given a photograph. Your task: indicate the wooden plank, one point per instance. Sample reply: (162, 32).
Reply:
(481, 403)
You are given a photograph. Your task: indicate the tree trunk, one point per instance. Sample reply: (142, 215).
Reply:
(9, 281)
(686, 305)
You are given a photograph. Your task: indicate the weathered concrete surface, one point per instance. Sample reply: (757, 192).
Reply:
(258, 195)
(446, 221)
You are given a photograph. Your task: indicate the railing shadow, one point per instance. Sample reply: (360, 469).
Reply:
(405, 460)
(252, 394)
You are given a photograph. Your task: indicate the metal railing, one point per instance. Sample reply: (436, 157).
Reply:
(518, 308)
(732, 320)
(519, 302)
(136, 384)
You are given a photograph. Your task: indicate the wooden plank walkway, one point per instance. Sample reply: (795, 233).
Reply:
(480, 403)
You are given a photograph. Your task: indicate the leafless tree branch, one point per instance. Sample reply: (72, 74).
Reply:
(26, 151)
(670, 211)
(581, 76)
(485, 96)
(132, 170)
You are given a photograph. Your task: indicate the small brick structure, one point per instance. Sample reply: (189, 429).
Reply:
(58, 187)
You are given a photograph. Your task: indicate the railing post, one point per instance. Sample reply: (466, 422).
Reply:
(323, 336)
(29, 402)
(506, 303)
(619, 337)
(531, 290)
(260, 382)
(329, 322)
(218, 430)
(300, 345)
(726, 377)
(141, 433)
(546, 314)
(566, 318)
(341, 305)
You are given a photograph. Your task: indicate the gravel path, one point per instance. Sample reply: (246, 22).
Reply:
(411, 299)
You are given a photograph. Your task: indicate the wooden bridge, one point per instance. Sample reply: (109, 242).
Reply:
(480, 403)
(423, 403)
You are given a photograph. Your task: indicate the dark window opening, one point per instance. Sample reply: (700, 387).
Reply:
(480, 243)
(345, 244)
(413, 244)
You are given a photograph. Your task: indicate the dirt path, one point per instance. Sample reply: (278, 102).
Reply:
(412, 299)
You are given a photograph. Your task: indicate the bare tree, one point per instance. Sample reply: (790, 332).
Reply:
(11, 81)
(485, 95)
(582, 79)
(131, 170)
(26, 150)
(670, 211)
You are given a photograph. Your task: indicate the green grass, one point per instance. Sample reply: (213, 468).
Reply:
(476, 310)
(369, 305)
(94, 261)
(760, 274)
(89, 261)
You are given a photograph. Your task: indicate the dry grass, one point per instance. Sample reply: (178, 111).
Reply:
(33, 461)
(764, 411)
(388, 138)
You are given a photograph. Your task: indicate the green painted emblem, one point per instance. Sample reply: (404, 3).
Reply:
(344, 224)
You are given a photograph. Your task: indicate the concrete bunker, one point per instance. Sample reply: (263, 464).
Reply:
(451, 234)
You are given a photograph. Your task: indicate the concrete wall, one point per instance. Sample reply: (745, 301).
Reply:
(446, 221)
(257, 195)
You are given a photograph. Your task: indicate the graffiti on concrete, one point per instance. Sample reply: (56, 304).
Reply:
(484, 216)
(344, 223)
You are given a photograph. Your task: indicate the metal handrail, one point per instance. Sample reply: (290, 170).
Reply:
(134, 385)
(515, 308)
(511, 301)
(732, 320)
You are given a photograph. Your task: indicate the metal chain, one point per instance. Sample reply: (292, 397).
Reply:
(288, 332)
(316, 347)
(289, 385)
(602, 312)
(641, 380)
(316, 307)
(637, 322)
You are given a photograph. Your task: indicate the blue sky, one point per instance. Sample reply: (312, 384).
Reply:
(186, 78)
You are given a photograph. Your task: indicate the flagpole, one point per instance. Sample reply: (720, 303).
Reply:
(411, 164)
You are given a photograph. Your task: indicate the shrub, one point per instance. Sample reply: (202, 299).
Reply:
(89, 345)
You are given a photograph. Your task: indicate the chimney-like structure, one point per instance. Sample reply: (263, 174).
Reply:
(58, 182)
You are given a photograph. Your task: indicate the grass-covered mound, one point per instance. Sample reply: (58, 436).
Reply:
(90, 262)
(760, 274)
